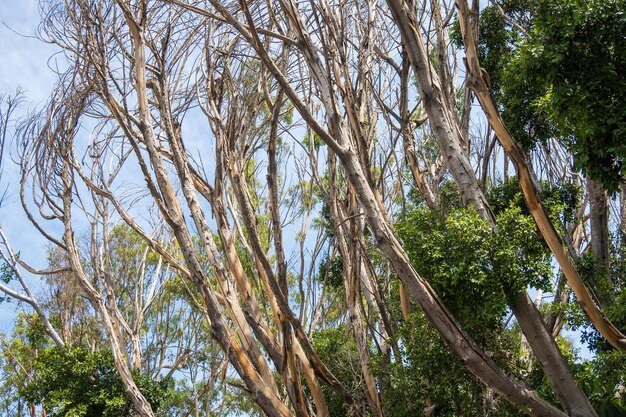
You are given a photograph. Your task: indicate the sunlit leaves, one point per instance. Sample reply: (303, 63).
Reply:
(74, 382)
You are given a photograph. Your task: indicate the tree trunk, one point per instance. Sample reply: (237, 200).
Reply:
(442, 119)
(599, 218)
(472, 357)
(554, 365)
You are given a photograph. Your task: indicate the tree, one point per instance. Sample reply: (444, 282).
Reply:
(243, 194)
(74, 382)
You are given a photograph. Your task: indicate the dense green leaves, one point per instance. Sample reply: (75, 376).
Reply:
(474, 271)
(578, 52)
(602, 379)
(73, 382)
(470, 267)
(562, 77)
(429, 377)
(561, 200)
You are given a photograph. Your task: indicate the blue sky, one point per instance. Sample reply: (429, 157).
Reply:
(25, 60)
(24, 63)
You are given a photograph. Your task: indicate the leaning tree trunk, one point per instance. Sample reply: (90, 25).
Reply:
(531, 322)
(529, 188)
(472, 357)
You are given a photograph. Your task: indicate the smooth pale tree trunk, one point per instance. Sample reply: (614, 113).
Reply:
(554, 365)
(441, 117)
(556, 320)
(599, 218)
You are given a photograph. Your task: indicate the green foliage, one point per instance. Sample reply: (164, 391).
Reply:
(470, 267)
(561, 200)
(73, 382)
(578, 54)
(562, 77)
(566, 80)
(474, 271)
(302, 197)
(519, 256)
(27, 340)
(610, 410)
(610, 288)
(604, 376)
(602, 379)
(450, 196)
(497, 39)
(519, 95)
(453, 253)
(317, 141)
(6, 275)
(338, 351)
(616, 311)
(331, 272)
(593, 272)
(428, 373)
(325, 221)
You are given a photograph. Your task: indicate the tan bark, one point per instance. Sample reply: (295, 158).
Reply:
(286, 365)
(226, 283)
(353, 143)
(240, 185)
(407, 139)
(259, 389)
(291, 374)
(540, 339)
(574, 401)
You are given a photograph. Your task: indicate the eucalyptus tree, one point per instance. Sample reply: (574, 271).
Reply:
(188, 147)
